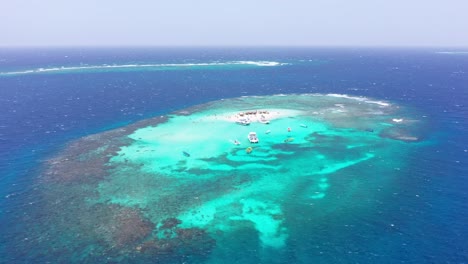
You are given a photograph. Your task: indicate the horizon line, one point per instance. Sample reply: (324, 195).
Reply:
(239, 46)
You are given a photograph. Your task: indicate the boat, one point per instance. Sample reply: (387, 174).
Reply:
(236, 142)
(268, 131)
(186, 154)
(243, 121)
(253, 137)
(263, 120)
(302, 125)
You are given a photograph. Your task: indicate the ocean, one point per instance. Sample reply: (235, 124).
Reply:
(50, 98)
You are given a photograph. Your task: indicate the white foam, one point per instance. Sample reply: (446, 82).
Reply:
(361, 98)
(129, 66)
(347, 97)
(260, 63)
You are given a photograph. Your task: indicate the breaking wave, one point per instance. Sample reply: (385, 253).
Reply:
(361, 98)
(153, 67)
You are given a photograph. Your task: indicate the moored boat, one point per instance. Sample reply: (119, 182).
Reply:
(243, 121)
(253, 137)
(263, 120)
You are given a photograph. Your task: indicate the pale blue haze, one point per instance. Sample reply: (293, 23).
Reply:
(234, 23)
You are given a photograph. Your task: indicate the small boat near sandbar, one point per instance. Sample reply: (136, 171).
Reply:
(243, 121)
(253, 137)
(263, 120)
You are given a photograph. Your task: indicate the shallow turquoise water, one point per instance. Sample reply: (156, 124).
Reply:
(178, 188)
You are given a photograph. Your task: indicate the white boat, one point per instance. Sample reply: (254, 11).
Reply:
(268, 131)
(263, 120)
(253, 137)
(243, 121)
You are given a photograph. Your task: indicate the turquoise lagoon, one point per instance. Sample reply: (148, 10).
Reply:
(177, 188)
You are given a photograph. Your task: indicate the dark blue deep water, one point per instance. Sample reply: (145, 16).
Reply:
(46, 101)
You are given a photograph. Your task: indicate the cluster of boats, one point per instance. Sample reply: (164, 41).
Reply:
(252, 136)
(246, 121)
(243, 117)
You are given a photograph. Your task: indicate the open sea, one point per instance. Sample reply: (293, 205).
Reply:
(51, 97)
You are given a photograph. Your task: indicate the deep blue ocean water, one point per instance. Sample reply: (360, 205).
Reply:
(43, 110)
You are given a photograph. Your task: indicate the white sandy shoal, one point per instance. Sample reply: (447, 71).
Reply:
(256, 115)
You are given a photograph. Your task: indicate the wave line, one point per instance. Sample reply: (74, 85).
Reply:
(106, 67)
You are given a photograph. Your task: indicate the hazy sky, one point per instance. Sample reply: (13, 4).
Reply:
(240, 22)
